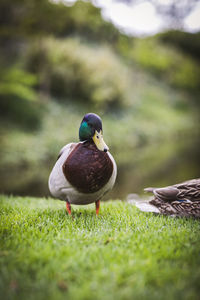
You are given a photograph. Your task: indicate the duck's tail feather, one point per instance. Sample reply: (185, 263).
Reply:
(149, 189)
(146, 207)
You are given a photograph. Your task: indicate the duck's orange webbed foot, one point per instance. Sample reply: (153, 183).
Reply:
(68, 207)
(97, 203)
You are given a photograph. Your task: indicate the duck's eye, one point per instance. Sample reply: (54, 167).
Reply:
(97, 137)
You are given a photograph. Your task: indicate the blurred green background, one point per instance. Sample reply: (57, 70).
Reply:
(58, 62)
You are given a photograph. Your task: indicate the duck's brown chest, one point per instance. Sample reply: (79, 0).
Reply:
(88, 169)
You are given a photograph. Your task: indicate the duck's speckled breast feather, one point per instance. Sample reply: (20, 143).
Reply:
(87, 168)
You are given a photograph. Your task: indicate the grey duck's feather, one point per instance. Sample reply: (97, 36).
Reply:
(181, 199)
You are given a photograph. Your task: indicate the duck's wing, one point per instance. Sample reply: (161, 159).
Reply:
(181, 199)
(186, 191)
(189, 190)
(67, 148)
(166, 194)
(57, 181)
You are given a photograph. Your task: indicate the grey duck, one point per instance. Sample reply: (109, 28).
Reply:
(182, 199)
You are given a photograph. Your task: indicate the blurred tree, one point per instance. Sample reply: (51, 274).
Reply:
(185, 41)
(24, 24)
(23, 19)
(70, 70)
(18, 100)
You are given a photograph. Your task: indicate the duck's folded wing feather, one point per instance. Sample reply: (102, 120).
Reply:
(165, 194)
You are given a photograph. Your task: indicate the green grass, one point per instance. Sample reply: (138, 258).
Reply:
(122, 254)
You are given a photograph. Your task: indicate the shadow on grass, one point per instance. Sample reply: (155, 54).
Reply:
(76, 213)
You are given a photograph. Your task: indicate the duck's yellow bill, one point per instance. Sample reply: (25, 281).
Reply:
(99, 142)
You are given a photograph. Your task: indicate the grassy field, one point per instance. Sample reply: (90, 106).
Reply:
(121, 254)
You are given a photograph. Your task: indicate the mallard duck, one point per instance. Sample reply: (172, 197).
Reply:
(181, 199)
(84, 172)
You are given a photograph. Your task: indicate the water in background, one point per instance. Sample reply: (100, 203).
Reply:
(157, 164)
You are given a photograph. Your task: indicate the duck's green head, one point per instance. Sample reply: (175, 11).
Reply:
(91, 128)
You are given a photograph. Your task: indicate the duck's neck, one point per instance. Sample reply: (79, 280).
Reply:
(85, 132)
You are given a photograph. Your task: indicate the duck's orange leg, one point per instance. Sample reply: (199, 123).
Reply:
(97, 203)
(68, 207)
